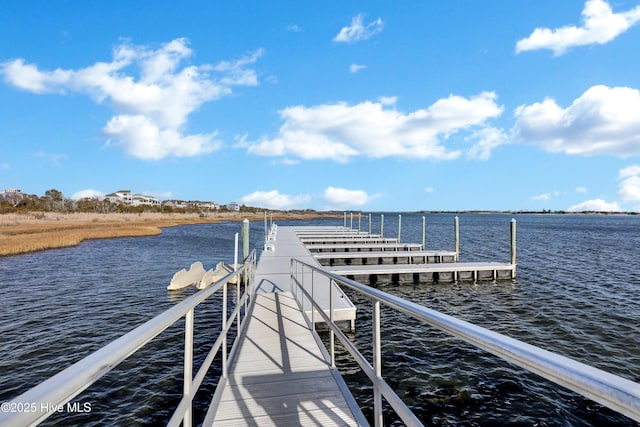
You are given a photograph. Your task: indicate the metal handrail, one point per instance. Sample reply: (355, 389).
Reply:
(42, 400)
(612, 391)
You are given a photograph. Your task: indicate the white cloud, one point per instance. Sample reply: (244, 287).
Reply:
(545, 196)
(145, 87)
(597, 205)
(629, 191)
(142, 138)
(87, 194)
(294, 28)
(54, 159)
(600, 26)
(428, 190)
(582, 190)
(354, 68)
(388, 100)
(342, 131)
(338, 198)
(274, 200)
(357, 31)
(629, 171)
(487, 140)
(602, 121)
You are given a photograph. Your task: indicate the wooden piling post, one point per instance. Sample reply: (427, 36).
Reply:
(456, 237)
(345, 220)
(359, 220)
(351, 221)
(245, 239)
(424, 233)
(382, 226)
(399, 226)
(369, 223)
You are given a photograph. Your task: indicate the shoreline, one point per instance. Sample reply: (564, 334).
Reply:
(22, 233)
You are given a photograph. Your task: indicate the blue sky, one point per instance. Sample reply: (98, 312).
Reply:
(377, 105)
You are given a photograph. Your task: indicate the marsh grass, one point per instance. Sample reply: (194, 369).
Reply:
(31, 232)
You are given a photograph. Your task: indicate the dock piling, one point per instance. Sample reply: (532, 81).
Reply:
(245, 239)
(382, 225)
(369, 223)
(424, 233)
(513, 244)
(399, 226)
(265, 226)
(456, 237)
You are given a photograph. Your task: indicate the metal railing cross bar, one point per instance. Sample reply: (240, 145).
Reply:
(612, 391)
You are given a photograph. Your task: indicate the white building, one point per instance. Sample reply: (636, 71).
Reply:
(124, 197)
(141, 199)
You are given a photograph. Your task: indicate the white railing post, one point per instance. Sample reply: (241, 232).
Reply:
(224, 331)
(301, 281)
(331, 333)
(377, 366)
(313, 308)
(188, 365)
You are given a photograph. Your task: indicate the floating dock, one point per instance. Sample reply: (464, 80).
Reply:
(364, 247)
(374, 258)
(281, 375)
(427, 273)
(279, 371)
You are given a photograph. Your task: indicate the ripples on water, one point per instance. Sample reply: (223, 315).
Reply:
(576, 291)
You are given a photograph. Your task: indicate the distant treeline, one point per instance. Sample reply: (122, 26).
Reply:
(54, 201)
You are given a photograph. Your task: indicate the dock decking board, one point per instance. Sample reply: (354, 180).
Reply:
(279, 375)
(372, 258)
(364, 247)
(279, 372)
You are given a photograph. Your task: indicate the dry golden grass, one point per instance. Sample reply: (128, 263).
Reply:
(22, 233)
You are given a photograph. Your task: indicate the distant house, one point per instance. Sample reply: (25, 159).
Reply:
(206, 205)
(177, 204)
(143, 200)
(124, 197)
(233, 206)
(14, 196)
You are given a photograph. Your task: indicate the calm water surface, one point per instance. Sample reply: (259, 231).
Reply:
(576, 294)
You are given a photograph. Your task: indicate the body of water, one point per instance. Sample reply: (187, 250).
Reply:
(576, 294)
